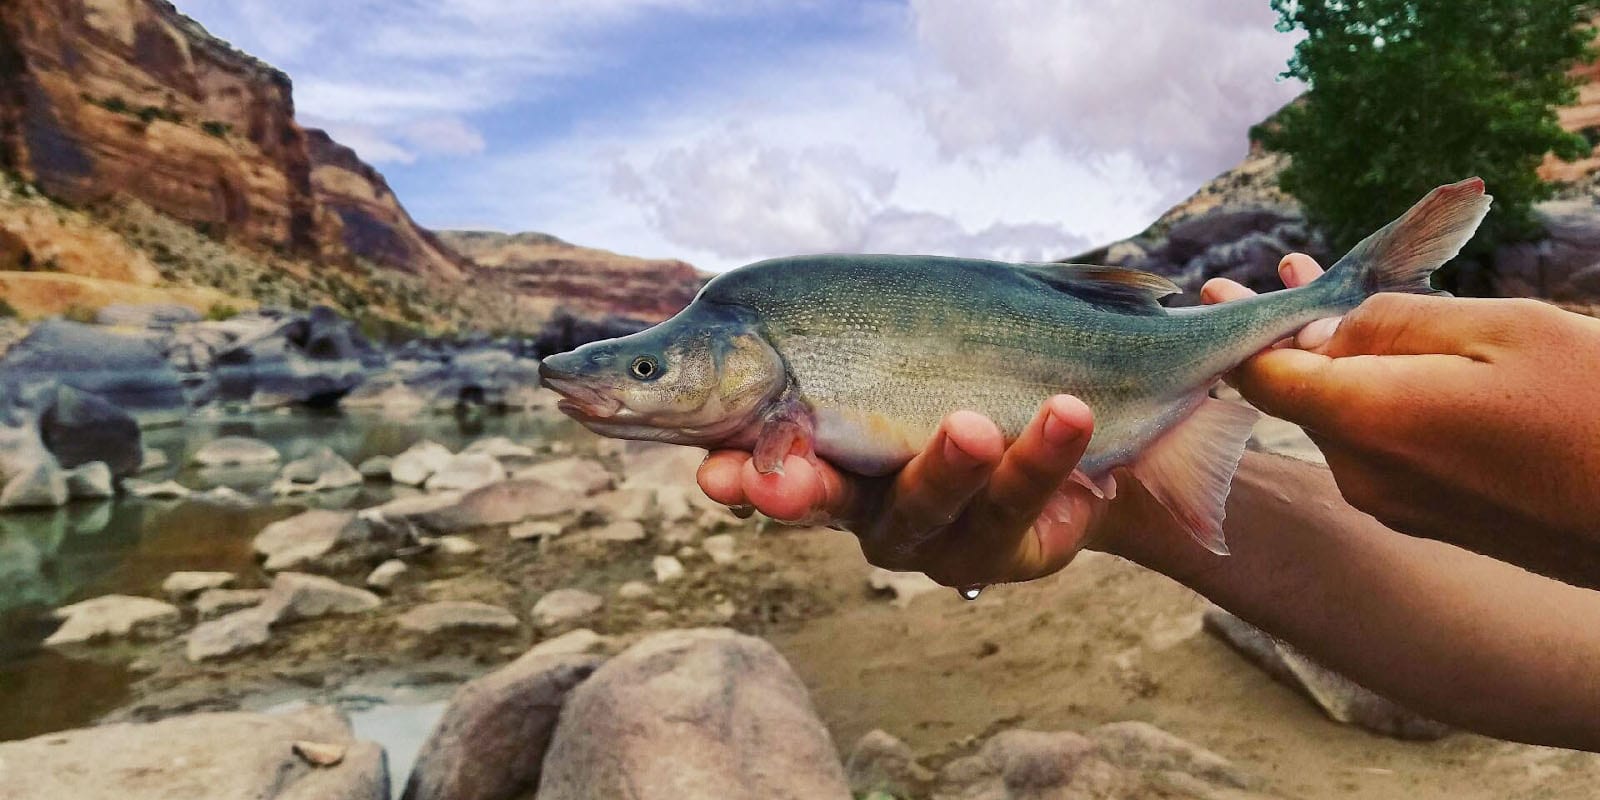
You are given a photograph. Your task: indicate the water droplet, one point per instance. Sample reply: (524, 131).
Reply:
(970, 592)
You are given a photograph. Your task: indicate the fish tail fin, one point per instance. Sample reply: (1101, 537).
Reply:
(1401, 256)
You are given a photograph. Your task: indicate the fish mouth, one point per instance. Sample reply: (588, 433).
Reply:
(580, 399)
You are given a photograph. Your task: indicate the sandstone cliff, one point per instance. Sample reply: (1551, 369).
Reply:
(109, 99)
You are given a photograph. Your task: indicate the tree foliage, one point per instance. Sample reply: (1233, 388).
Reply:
(1409, 94)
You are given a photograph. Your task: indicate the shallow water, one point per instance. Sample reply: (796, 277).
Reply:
(129, 546)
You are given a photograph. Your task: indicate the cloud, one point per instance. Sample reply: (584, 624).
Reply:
(1174, 88)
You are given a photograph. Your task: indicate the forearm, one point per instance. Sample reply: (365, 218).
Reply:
(1456, 636)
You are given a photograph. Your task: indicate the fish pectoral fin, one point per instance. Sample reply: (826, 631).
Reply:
(785, 431)
(1189, 469)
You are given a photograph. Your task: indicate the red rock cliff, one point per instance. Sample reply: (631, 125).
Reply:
(101, 98)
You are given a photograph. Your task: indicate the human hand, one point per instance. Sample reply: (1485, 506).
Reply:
(1470, 421)
(968, 510)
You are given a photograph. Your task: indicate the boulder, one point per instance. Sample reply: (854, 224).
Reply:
(301, 539)
(454, 616)
(230, 634)
(465, 472)
(1024, 764)
(578, 641)
(376, 468)
(91, 481)
(1136, 745)
(503, 503)
(490, 743)
(228, 755)
(183, 586)
(418, 462)
(41, 485)
(581, 476)
(322, 470)
(314, 359)
(114, 616)
(696, 713)
(563, 606)
(127, 371)
(499, 447)
(81, 428)
(229, 451)
(883, 764)
(1340, 698)
(165, 490)
(293, 596)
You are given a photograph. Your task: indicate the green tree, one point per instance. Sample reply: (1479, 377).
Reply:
(1409, 94)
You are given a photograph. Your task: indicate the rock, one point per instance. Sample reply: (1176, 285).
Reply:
(214, 603)
(230, 634)
(635, 590)
(498, 447)
(450, 616)
(126, 372)
(582, 476)
(230, 755)
(114, 616)
(91, 481)
(466, 472)
(720, 548)
(313, 359)
(41, 485)
(80, 428)
(881, 763)
(455, 546)
(565, 605)
(418, 462)
(1340, 698)
(165, 490)
(503, 503)
(158, 316)
(621, 505)
(387, 574)
(667, 569)
(697, 713)
(535, 529)
(151, 460)
(578, 641)
(376, 468)
(1141, 746)
(225, 496)
(320, 754)
(322, 470)
(624, 531)
(1035, 764)
(905, 586)
(182, 586)
(490, 743)
(294, 542)
(297, 596)
(229, 451)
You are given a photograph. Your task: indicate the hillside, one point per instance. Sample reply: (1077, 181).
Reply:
(148, 161)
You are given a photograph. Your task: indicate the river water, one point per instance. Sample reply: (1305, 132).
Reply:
(128, 546)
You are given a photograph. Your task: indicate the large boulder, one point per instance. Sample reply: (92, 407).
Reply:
(490, 744)
(127, 371)
(312, 359)
(503, 503)
(321, 470)
(233, 755)
(689, 714)
(81, 428)
(293, 596)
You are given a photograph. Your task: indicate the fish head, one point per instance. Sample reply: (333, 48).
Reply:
(697, 379)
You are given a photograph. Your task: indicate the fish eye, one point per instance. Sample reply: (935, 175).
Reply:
(645, 368)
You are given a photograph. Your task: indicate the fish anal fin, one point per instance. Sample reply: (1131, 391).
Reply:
(1119, 288)
(1189, 469)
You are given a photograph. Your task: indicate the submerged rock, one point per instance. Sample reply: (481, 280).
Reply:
(114, 616)
(698, 713)
(490, 744)
(230, 755)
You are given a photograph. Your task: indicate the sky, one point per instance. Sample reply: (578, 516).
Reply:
(727, 132)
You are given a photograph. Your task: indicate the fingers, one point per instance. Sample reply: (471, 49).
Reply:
(807, 490)
(1222, 290)
(1041, 459)
(720, 478)
(1415, 324)
(937, 484)
(1298, 269)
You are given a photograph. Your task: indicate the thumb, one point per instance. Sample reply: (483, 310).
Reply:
(1308, 389)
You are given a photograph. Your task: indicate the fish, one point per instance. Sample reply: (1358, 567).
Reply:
(855, 359)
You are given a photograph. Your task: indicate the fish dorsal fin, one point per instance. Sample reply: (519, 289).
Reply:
(1119, 288)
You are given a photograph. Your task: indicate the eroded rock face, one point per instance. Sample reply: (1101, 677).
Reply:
(490, 744)
(696, 713)
(127, 372)
(201, 755)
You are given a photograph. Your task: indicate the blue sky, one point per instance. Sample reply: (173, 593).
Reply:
(725, 132)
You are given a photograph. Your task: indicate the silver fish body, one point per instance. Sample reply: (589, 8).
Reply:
(857, 358)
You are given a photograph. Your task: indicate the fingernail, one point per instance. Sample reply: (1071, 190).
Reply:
(1059, 432)
(743, 511)
(955, 456)
(1317, 333)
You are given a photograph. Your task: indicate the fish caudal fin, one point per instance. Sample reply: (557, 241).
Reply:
(1402, 255)
(1188, 470)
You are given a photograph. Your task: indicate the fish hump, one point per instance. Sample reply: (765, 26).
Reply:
(1116, 288)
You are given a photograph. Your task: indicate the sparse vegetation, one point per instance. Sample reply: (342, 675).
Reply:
(217, 129)
(77, 313)
(221, 311)
(7, 311)
(150, 114)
